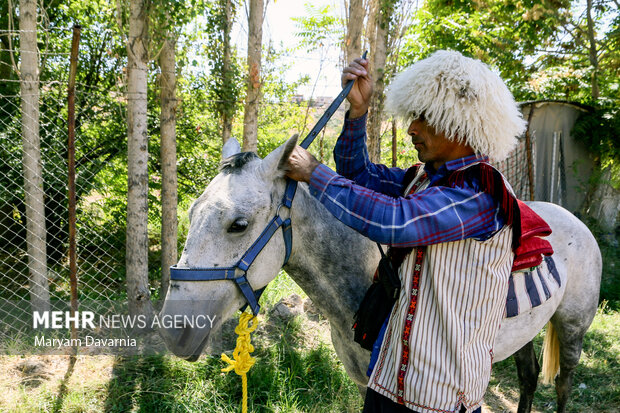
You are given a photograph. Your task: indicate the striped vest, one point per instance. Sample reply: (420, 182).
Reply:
(438, 346)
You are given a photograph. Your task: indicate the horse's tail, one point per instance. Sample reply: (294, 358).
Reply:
(551, 355)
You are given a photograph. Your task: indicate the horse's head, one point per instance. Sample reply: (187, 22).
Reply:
(224, 222)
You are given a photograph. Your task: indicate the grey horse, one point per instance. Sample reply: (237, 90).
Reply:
(333, 264)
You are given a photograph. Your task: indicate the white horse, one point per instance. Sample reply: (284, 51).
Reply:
(333, 264)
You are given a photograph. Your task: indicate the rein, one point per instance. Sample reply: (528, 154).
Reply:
(238, 272)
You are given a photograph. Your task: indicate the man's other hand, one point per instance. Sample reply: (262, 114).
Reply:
(301, 164)
(359, 97)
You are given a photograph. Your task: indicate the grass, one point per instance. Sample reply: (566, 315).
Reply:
(288, 377)
(296, 371)
(596, 380)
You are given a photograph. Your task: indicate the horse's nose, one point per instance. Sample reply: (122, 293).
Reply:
(179, 340)
(172, 336)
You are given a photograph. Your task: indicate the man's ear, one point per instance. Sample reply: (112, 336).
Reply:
(230, 148)
(274, 164)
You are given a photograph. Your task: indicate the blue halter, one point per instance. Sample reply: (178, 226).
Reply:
(238, 272)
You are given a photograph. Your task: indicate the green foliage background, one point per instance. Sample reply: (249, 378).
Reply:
(538, 47)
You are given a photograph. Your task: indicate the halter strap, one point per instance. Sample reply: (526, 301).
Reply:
(238, 272)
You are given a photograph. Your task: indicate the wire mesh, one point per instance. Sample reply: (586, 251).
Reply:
(100, 245)
(99, 162)
(515, 168)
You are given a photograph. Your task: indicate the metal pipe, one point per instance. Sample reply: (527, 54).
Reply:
(71, 174)
(528, 152)
(394, 143)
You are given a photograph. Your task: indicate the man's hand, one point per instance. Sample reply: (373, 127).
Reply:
(359, 97)
(301, 164)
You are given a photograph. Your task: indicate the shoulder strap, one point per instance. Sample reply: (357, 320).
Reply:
(410, 175)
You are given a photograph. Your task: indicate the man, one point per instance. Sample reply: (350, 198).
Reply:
(455, 212)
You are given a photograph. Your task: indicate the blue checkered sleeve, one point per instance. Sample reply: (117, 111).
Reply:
(352, 161)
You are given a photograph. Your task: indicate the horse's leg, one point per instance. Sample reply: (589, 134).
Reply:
(527, 369)
(362, 390)
(571, 342)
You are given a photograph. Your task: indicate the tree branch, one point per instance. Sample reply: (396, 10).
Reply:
(575, 38)
(11, 24)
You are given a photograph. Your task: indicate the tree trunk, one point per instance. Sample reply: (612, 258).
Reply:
(592, 52)
(168, 162)
(137, 156)
(371, 27)
(378, 59)
(353, 42)
(226, 68)
(255, 37)
(33, 171)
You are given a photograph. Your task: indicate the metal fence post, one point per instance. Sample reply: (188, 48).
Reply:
(71, 174)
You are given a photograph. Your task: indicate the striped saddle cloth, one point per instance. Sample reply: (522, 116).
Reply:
(529, 289)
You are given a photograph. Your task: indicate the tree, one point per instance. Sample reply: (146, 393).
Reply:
(168, 154)
(512, 37)
(355, 24)
(589, 51)
(387, 26)
(167, 19)
(225, 88)
(404, 13)
(227, 66)
(593, 53)
(33, 174)
(382, 17)
(137, 243)
(252, 99)
(99, 120)
(318, 31)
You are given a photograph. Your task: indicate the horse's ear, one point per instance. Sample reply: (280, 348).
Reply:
(274, 164)
(231, 147)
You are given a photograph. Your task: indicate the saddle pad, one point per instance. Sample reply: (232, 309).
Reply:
(530, 289)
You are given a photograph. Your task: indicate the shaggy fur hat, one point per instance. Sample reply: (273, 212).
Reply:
(460, 97)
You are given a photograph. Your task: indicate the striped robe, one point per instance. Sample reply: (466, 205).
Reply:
(438, 347)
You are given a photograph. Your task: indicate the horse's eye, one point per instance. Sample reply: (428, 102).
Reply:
(239, 225)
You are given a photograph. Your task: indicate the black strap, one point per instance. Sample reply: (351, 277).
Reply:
(381, 250)
(329, 112)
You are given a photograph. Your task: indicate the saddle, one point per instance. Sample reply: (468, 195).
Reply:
(531, 247)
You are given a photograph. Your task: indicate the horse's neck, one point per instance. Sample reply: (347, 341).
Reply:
(332, 263)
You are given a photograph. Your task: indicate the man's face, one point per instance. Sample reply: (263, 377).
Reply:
(433, 147)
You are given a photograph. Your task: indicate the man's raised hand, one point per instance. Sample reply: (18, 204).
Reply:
(360, 94)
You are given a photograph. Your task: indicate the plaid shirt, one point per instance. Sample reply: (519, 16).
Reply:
(368, 198)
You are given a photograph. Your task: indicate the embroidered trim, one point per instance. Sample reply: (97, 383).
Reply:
(413, 302)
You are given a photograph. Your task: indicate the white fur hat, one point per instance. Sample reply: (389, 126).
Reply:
(460, 97)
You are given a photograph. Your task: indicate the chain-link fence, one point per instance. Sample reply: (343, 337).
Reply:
(517, 167)
(101, 179)
(100, 251)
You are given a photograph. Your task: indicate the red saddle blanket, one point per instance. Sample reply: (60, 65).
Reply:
(531, 246)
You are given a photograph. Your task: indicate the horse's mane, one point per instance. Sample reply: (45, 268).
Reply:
(236, 162)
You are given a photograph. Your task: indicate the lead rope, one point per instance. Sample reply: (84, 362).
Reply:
(241, 354)
(242, 362)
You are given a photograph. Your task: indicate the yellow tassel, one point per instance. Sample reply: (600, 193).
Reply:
(243, 362)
